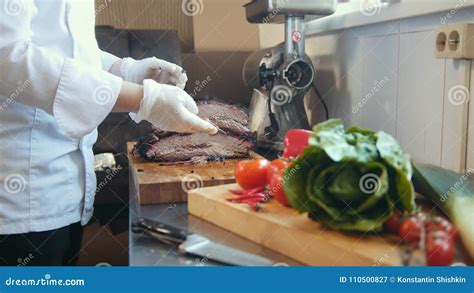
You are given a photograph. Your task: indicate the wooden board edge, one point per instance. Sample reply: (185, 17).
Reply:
(203, 208)
(133, 178)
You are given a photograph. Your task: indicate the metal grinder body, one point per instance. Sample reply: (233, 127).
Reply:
(281, 76)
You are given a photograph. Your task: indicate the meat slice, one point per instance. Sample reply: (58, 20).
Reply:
(218, 111)
(234, 140)
(196, 148)
(229, 119)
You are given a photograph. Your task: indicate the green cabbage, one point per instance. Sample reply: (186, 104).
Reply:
(350, 179)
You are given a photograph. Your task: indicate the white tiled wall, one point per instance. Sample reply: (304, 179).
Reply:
(420, 98)
(380, 62)
(385, 77)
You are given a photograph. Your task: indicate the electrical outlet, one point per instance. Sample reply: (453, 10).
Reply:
(455, 42)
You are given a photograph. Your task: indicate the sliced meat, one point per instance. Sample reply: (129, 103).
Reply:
(217, 111)
(196, 148)
(231, 127)
(233, 141)
(228, 118)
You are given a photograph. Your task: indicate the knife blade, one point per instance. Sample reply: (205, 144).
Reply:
(197, 245)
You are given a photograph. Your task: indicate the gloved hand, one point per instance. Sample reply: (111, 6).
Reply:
(153, 68)
(169, 108)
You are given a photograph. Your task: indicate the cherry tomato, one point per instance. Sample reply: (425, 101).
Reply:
(439, 248)
(276, 188)
(295, 141)
(251, 173)
(392, 225)
(440, 223)
(274, 167)
(410, 229)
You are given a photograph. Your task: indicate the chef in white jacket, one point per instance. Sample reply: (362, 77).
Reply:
(56, 87)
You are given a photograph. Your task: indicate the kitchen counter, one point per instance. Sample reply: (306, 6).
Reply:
(144, 251)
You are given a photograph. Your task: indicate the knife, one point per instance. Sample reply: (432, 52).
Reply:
(197, 245)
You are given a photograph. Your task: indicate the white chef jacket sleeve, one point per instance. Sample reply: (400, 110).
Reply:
(108, 60)
(78, 96)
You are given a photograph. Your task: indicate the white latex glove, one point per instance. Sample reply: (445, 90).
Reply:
(153, 68)
(169, 108)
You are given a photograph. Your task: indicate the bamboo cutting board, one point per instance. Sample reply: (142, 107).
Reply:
(294, 235)
(169, 183)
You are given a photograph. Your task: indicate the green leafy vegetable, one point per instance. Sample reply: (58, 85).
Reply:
(350, 179)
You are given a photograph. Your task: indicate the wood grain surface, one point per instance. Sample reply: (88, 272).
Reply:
(294, 235)
(169, 183)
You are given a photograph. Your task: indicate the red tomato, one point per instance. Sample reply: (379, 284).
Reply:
(276, 188)
(251, 173)
(274, 167)
(439, 248)
(392, 225)
(440, 223)
(295, 141)
(410, 229)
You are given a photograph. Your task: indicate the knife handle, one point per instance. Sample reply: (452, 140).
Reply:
(160, 231)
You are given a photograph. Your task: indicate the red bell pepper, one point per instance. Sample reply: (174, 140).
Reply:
(295, 141)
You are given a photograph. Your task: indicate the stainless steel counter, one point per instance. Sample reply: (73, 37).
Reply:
(144, 251)
(149, 252)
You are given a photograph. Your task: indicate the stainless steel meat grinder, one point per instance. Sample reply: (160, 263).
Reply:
(281, 76)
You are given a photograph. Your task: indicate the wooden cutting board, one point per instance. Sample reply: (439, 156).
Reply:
(294, 235)
(169, 183)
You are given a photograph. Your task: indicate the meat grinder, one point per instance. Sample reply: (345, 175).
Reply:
(281, 76)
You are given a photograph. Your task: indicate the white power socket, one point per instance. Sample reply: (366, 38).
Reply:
(455, 42)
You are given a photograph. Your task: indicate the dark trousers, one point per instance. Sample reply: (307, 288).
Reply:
(60, 247)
